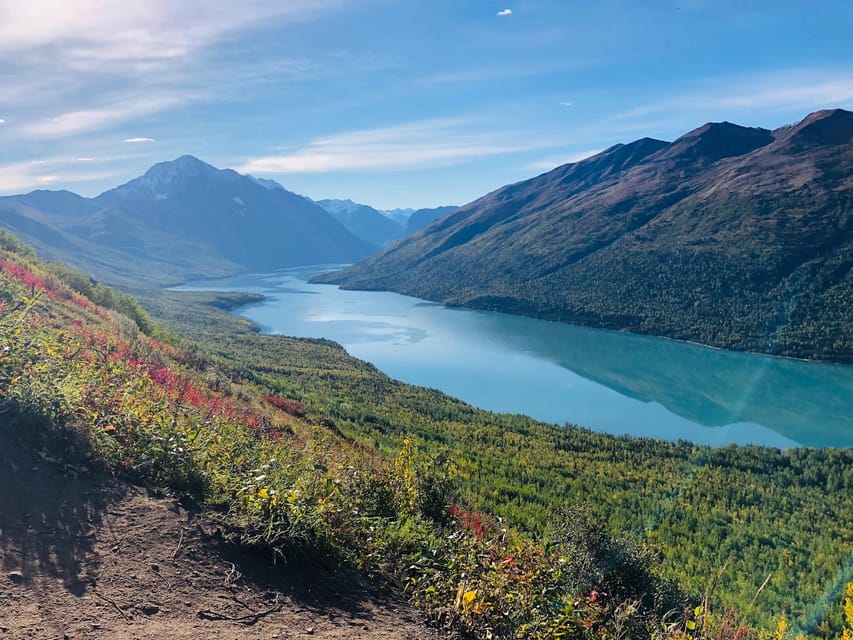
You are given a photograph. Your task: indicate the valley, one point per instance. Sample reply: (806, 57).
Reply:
(586, 479)
(356, 319)
(608, 381)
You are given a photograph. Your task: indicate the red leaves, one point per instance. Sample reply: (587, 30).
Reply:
(25, 276)
(476, 523)
(181, 390)
(35, 281)
(292, 407)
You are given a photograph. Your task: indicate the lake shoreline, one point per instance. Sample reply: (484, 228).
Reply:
(609, 381)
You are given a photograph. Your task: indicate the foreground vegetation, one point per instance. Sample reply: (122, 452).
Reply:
(756, 511)
(500, 526)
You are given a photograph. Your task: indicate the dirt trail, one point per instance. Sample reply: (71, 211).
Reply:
(81, 560)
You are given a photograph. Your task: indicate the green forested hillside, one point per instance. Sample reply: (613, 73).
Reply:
(730, 236)
(755, 511)
(497, 525)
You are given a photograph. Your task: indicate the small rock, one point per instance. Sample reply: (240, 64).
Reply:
(310, 631)
(149, 609)
(16, 576)
(155, 567)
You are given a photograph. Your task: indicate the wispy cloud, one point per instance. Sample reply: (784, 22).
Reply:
(566, 104)
(791, 90)
(100, 30)
(2, 121)
(43, 173)
(85, 120)
(148, 53)
(504, 72)
(505, 12)
(417, 145)
(546, 164)
(138, 140)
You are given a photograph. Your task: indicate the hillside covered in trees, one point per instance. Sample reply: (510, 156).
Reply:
(729, 236)
(497, 525)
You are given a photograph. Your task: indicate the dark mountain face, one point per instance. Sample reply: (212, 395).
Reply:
(244, 221)
(731, 236)
(714, 141)
(62, 204)
(424, 217)
(181, 219)
(822, 129)
(363, 221)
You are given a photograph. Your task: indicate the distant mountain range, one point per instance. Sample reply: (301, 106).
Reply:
(730, 236)
(379, 227)
(363, 221)
(182, 219)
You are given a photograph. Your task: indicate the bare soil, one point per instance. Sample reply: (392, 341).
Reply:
(82, 558)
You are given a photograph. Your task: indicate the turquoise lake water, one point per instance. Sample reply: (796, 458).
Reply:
(605, 380)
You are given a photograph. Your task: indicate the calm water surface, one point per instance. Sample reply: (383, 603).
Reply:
(605, 380)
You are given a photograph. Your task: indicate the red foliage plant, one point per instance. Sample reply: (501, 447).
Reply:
(293, 407)
(35, 281)
(26, 277)
(476, 523)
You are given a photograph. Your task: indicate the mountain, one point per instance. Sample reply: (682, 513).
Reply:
(424, 217)
(400, 216)
(363, 221)
(381, 227)
(267, 183)
(181, 219)
(730, 236)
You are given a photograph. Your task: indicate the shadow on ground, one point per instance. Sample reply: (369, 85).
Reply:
(50, 512)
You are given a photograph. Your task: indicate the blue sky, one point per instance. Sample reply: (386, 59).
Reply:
(393, 103)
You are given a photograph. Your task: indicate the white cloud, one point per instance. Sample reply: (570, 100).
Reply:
(792, 90)
(2, 121)
(505, 12)
(84, 160)
(108, 61)
(85, 120)
(155, 29)
(44, 173)
(417, 145)
(503, 71)
(566, 104)
(136, 140)
(546, 164)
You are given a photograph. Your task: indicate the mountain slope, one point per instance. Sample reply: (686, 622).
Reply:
(181, 219)
(301, 450)
(731, 236)
(102, 401)
(424, 217)
(363, 221)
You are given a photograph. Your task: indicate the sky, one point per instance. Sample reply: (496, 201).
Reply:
(403, 103)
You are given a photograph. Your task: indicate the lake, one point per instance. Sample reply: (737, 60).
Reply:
(608, 381)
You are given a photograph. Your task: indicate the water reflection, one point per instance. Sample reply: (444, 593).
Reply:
(605, 380)
(803, 401)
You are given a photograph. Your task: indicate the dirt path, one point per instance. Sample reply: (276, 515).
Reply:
(80, 560)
